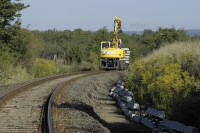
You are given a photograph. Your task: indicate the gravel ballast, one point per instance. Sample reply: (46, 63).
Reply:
(86, 107)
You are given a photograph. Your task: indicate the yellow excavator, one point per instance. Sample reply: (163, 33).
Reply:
(113, 55)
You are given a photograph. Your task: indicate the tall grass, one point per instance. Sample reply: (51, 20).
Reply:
(11, 73)
(75, 67)
(178, 52)
(19, 74)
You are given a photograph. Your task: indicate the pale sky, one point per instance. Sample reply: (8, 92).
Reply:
(95, 14)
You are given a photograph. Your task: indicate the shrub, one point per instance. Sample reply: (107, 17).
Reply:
(19, 74)
(9, 71)
(166, 76)
(6, 66)
(42, 67)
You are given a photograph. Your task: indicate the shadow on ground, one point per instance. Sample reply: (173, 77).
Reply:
(113, 127)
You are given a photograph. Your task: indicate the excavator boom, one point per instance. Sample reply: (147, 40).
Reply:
(117, 28)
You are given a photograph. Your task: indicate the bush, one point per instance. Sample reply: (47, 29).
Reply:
(19, 74)
(10, 72)
(42, 67)
(6, 66)
(166, 76)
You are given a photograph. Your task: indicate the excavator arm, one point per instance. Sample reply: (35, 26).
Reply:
(117, 27)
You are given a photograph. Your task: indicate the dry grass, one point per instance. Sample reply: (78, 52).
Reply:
(10, 74)
(186, 54)
(20, 75)
(14, 75)
(176, 50)
(74, 67)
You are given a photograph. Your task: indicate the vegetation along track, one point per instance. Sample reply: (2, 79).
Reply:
(20, 110)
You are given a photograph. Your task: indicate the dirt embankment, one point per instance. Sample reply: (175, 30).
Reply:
(86, 107)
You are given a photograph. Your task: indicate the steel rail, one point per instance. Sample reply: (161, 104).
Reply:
(55, 95)
(27, 86)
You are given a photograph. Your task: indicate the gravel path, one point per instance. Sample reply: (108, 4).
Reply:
(86, 107)
(23, 112)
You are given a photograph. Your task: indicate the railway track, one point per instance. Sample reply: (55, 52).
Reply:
(84, 106)
(21, 110)
(51, 111)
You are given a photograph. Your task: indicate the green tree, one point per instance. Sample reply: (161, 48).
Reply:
(147, 39)
(10, 37)
(165, 35)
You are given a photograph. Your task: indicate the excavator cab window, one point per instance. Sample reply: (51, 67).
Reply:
(105, 45)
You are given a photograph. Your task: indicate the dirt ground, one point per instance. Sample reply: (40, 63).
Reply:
(87, 107)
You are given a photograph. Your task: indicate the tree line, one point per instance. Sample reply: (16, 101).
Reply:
(23, 47)
(78, 45)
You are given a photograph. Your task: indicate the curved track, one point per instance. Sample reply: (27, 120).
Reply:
(48, 126)
(21, 110)
(84, 106)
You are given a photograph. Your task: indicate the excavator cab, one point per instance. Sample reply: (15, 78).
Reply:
(105, 45)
